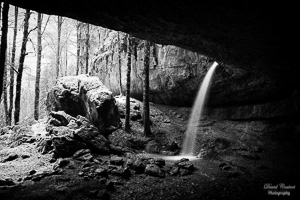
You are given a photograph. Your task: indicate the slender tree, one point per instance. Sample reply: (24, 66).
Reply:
(78, 46)
(21, 66)
(5, 92)
(38, 67)
(66, 55)
(12, 67)
(146, 115)
(59, 25)
(87, 45)
(154, 54)
(129, 52)
(3, 44)
(120, 64)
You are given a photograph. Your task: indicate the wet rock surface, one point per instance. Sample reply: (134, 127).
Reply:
(85, 96)
(236, 158)
(78, 133)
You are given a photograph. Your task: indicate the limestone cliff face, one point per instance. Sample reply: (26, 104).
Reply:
(175, 73)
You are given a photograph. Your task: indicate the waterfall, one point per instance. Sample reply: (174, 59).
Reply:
(189, 143)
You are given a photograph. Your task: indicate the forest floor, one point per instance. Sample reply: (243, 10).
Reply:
(271, 172)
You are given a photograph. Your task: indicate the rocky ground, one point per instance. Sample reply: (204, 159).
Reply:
(239, 160)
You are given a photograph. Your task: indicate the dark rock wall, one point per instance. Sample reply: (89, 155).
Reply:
(176, 74)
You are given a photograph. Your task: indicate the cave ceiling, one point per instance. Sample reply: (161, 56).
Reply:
(248, 34)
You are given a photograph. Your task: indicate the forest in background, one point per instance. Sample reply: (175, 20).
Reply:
(54, 46)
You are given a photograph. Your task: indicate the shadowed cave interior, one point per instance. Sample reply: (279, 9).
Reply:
(248, 133)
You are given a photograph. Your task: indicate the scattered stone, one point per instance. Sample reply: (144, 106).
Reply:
(115, 160)
(158, 161)
(154, 170)
(52, 160)
(10, 157)
(6, 182)
(4, 130)
(60, 188)
(61, 163)
(116, 170)
(174, 171)
(167, 120)
(24, 156)
(167, 153)
(62, 117)
(66, 146)
(186, 165)
(136, 116)
(30, 140)
(85, 157)
(138, 166)
(72, 124)
(101, 171)
(178, 115)
(181, 160)
(80, 173)
(152, 147)
(100, 144)
(32, 172)
(81, 152)
(136, 107)
(129, 162)
(44, 146)
(38, 177)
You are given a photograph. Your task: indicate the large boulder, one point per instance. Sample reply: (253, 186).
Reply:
(85, 96)
(69, 134)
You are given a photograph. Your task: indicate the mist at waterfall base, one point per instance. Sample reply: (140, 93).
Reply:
(189, 142)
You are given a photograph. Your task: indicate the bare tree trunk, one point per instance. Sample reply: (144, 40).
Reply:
(5, 78)
(146, 118)
(120, 64)
(78, 47)
(154, 54)
(21, 66)
(127, 115)
(66, 55)
(38, 68)
(59, 24)
(12, 68)
(87, 44)
(3, 44)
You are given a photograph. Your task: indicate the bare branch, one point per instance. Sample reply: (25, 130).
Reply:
(46, 24)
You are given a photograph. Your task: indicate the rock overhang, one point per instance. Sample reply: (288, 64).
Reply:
(250, 35)
(247, 33)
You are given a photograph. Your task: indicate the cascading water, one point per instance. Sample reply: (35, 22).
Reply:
(188, 147)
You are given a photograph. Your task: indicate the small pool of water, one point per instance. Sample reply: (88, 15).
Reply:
(174, 158)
